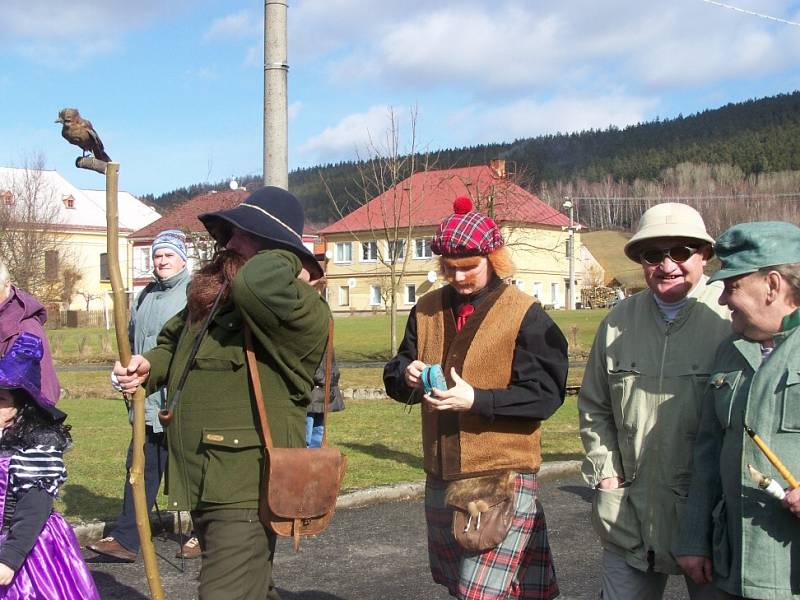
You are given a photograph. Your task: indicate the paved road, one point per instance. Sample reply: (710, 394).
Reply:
(378, 553)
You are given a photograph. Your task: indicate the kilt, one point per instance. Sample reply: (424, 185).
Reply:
(521, 566)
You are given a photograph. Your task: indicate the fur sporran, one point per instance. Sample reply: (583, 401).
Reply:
(483, 510)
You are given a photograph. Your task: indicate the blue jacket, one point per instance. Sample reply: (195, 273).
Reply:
(155, 305)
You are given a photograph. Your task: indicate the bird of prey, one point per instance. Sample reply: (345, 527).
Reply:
(79, 131)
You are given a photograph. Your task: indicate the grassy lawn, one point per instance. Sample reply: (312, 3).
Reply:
(382, 441)
(367, 338)
(90, 344)
(357, 338)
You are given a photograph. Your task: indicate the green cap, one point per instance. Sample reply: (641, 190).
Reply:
(748, 247)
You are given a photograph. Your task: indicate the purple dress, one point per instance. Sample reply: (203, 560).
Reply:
(54, 567)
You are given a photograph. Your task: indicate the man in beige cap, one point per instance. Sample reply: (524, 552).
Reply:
(640, 402)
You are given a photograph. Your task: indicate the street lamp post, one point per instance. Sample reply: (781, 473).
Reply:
(571, 249)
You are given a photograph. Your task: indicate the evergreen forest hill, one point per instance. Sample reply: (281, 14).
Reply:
(756, 137)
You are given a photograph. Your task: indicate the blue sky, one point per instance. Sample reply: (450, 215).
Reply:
(175, 88)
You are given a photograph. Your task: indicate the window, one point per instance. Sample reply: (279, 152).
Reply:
(51, 265)
(519, 283)
(142, 265)
(7, 197)
(369, 251)
(374, 295)
(104, 267)
(69, 201)
(555, 294)
(411, 293)
(344, 252)
(537, 289)
(422, 248)
(344, 295)
(396, 250)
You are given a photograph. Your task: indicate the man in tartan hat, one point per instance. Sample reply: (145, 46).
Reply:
(481, 436)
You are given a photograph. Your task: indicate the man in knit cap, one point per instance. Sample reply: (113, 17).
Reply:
(159, 301)
(640, 399)
(505, 365)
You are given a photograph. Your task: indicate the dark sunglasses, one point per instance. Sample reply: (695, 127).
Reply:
(678, 254)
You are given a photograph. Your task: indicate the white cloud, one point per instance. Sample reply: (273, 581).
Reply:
(68, 34)
(202, 74)
(240, 25)
(254, 56)
(356, 134)
(528, 117)
(294, 109)
(511, 46)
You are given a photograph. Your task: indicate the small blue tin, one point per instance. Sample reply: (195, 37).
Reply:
(433, 377)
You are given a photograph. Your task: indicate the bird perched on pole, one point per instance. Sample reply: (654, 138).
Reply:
(79, 131)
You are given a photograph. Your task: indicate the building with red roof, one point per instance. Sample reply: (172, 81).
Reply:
(199, 245)
(360, 246)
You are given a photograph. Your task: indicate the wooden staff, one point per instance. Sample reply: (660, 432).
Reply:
(773, 458)
(136, 475)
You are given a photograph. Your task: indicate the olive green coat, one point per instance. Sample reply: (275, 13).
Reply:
(639, 407)
(754, 542)
(215, 451)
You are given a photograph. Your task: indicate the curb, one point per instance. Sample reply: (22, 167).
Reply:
(93, 531)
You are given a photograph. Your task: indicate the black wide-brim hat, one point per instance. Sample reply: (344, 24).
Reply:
(270, 213)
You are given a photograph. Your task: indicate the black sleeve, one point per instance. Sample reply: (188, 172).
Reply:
(30, 514)
(538, 372)
(394, 372)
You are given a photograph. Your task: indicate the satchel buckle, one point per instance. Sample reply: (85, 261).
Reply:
(306, 522)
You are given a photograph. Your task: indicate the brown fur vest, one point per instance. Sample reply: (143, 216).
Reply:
(462, 444)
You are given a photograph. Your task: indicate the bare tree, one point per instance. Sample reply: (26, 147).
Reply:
(390, 219)
(721, 193)
(31, 234)
(89, 297)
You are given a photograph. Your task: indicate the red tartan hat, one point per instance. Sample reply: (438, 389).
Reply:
(466, 232)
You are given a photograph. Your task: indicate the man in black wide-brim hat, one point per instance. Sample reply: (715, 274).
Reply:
(257, 279)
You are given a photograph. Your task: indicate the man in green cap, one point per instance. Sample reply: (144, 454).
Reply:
(733, 532)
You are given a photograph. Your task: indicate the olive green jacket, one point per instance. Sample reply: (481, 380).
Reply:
(639, 407)
(752, 540)
(215, 450)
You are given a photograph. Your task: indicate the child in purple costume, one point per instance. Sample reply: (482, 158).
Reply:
(39, 554)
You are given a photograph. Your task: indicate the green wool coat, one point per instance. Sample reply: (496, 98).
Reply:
(215, 450)
(753, 541)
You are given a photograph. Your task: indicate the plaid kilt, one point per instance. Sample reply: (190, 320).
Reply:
(521, 566)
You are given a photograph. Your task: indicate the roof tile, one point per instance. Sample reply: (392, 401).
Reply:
(428, 196)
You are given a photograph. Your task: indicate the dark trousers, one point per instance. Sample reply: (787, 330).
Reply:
(237, 555)
(155, 461)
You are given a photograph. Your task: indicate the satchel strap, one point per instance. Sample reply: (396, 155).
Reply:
(328, 367)
(257, 391)
(255, 379)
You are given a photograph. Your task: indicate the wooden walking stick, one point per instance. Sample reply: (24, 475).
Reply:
(80, 132)
(121, 328)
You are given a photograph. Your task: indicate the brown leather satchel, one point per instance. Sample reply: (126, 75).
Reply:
(483, 510)
(298, 485)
